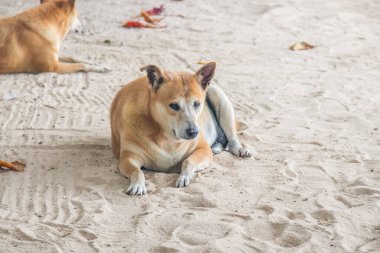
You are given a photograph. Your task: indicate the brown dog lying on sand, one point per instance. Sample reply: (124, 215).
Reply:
(30, 41)
(169, 118)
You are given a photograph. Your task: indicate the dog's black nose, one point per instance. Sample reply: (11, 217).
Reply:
(192, 132)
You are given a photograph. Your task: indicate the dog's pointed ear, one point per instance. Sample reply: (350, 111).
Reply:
(205, 74)
(154, 75)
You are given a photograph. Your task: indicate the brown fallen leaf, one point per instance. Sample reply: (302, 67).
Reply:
(148, 18)
(241, 126)
(301, 46)
(16, 166)
(202, 62)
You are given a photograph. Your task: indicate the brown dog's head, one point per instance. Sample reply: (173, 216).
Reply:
(177, 99)
(68, 6)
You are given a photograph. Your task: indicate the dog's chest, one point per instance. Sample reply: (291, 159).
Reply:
(161, 160)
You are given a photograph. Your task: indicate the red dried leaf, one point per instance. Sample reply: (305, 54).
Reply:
(156, 10)
(133, 24)
(139, 24)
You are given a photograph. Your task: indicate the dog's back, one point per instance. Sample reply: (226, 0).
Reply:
(6, 30)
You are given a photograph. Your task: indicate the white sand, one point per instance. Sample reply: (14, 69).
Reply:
(313, 117)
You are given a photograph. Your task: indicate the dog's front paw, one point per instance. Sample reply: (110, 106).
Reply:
(217, 148)
(136, 188)
(183, 180)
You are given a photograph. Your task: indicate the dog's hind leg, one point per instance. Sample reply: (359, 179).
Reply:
(115, 145)
(67, 60)
(63, 68)
(225, 115)
(71, 60)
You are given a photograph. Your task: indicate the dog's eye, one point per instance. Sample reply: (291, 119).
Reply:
(174, 106)
(196, 104)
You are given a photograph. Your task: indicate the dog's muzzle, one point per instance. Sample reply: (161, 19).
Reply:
(76, 26)
(191, 133)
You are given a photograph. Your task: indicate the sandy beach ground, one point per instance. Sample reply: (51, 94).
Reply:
(313, 117)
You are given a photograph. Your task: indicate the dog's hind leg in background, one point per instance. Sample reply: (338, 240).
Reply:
(225, 116)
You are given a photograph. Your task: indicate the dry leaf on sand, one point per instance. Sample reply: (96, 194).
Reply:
(202, 62)
(156, 10)
(16, 166)
(148, 18)
(301, 46)
(139, 24)
(149, 21)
